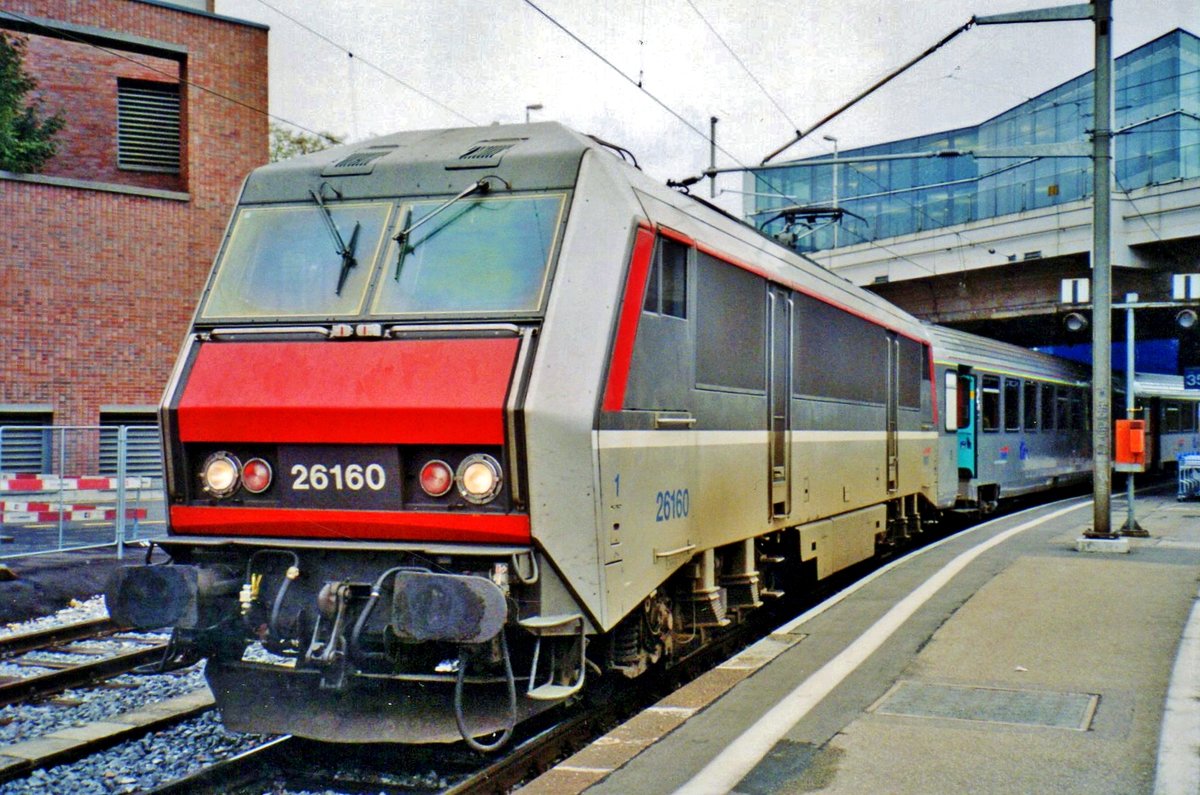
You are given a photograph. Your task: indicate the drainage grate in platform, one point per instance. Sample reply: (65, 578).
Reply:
(991, 705)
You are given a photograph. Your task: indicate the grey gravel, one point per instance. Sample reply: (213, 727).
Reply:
(78, 611)
(141, 764)
(20, 722)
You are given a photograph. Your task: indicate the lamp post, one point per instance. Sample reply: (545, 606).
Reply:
(1131, 526)
(833, 140)
(534, 106)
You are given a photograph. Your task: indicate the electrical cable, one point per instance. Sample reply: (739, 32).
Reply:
(376, 67)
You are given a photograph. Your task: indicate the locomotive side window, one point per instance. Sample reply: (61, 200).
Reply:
(838, 355)
(1187, 417)
(281, 262)
(990, 413)
(1012, 404)
(1048, 407)
(914, 372)
(478, 255)
(666, 290)
(1031, 406)
(730, 315)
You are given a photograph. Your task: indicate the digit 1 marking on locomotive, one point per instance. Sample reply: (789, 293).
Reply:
(617, 481)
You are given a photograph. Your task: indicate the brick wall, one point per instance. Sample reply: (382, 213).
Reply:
(99, 287)
(80, 82)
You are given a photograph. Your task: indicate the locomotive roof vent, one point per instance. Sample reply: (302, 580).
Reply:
(360, 162)
(484, 154)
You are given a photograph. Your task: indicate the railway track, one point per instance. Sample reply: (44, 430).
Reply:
(73, 665)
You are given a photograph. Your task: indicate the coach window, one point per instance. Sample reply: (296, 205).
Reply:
(1078, 410)
(1062, 408)
(991, 403)
(951, 404)
(1187, 417)
(1012, 404)
(666, 292)
(1048, 407)
(1031, 406)
(1170, 418)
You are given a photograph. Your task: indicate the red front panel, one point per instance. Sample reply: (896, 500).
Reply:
(384, 392)
(393, 392)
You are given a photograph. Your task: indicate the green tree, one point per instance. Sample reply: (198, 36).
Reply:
(287, 143)
(26, 133)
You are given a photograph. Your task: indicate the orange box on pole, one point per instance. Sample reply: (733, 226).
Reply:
(1130, 439)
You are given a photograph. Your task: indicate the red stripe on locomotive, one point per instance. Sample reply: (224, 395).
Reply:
(351, 525)
(395, 392)
(631, 310)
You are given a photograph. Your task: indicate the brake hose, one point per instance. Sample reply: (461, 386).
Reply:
(512, 701)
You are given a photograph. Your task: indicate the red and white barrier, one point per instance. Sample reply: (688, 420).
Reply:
(69, 513)
(36, 483)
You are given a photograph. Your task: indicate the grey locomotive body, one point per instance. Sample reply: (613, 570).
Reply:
(468, 417)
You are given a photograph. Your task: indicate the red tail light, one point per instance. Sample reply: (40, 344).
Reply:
(436, 478)
(256, 476)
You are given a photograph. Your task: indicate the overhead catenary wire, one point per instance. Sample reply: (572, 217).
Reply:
(635, 83)
(742, 64)
(880, 83)
(370, 65)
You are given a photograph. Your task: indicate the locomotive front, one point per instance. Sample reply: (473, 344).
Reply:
(349, 527)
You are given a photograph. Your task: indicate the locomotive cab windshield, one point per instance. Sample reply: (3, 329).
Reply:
(483, 255)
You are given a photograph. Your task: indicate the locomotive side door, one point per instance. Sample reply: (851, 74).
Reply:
(779, 391)
(892, 421)
(966, 426)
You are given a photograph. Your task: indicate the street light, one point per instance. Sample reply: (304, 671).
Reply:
(535, 106)
(833, 140)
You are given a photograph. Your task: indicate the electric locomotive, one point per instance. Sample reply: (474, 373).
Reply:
(467, 418)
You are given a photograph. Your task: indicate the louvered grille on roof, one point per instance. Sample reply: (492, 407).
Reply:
(147, 126)
(485, 151)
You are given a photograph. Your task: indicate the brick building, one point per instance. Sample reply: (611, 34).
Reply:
(104, 253)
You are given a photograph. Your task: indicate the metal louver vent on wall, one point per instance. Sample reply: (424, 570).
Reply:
(143, 447)
(148, 126)
(25, 443)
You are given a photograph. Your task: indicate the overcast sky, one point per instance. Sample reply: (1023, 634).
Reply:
(483, 62)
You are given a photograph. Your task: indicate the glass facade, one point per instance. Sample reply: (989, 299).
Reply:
(1157, 126)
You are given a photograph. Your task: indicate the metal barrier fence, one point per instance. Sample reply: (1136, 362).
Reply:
(65, 487)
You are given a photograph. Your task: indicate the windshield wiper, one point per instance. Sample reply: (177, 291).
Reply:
(345, 251)
(482, 186)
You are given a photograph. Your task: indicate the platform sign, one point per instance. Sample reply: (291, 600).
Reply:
(1191, 378)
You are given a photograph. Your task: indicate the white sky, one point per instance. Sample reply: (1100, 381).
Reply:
(488, 60)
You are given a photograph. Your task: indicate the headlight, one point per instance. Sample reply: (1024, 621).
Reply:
(479, 478)
(219, 477)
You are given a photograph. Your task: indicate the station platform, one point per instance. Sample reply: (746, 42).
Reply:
(1001, 659)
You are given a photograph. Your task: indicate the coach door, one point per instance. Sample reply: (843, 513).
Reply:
(893, 413)
(966, 425)
(779, 391)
